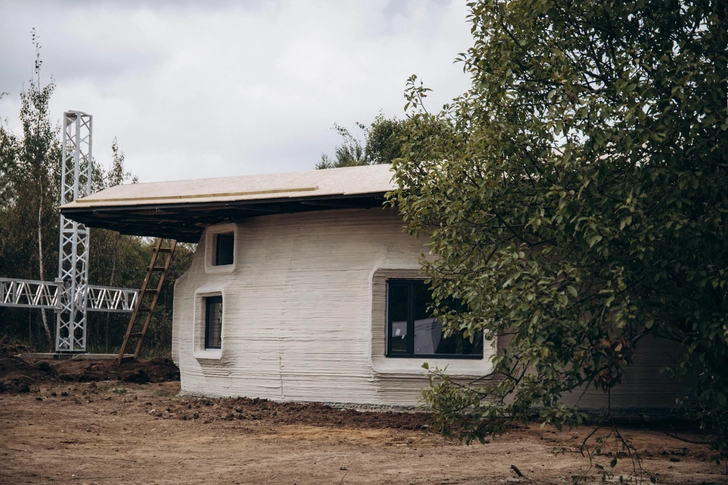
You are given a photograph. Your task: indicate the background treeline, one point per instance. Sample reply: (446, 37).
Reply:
(30, 167)
(383, 142)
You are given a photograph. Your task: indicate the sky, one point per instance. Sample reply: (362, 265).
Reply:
(221, 88)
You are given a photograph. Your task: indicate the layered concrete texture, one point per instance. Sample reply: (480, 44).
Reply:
(304, 317)
(303, 311)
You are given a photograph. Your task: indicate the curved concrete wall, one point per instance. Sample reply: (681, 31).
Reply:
(304, 317)
(303, 311)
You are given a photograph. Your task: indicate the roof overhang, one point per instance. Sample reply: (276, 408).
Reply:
(182, 210)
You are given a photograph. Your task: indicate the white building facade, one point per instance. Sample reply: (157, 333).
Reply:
(305, 287)
(305, 312)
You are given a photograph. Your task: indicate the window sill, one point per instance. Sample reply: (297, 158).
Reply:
(210, 354)
(220, 269)
(412, 366)
(430, 357)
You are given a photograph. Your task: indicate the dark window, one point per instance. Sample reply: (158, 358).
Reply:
(413, 331)
(213, 322)
(224, 248)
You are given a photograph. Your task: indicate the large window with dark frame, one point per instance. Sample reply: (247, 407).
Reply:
(213, 322)
(412, 331)
(224, 249)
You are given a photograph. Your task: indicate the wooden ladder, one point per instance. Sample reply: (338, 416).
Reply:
(148, 297)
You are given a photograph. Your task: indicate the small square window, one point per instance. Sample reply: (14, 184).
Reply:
(412, 331)
(213, 322)
(224, 249)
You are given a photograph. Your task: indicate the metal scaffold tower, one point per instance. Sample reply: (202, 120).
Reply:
(70, 295)
(74, 245)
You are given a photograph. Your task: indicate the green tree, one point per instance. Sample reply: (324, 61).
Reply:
(8, 155)
(31, 170)
(383, 141)
(577, 202)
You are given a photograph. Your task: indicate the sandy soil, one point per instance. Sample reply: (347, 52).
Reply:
(116, 432)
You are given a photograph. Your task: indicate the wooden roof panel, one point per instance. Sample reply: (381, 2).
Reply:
(181, 210)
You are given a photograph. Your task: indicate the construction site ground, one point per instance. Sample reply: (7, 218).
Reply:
(90, 422)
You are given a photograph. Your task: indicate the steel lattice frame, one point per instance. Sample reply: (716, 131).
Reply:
(20, 293)
(29, 294)
(108, 299)
(74, 241)
(70, 295)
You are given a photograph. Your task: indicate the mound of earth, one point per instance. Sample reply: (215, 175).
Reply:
(19, 375)
(312, 414)
(137, 371)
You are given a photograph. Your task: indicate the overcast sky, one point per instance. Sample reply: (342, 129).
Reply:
(217, 88)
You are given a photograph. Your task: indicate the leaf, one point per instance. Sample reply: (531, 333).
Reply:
(592, 239)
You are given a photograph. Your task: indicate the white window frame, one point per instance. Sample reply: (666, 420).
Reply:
(211, 246)
(412, 366)
(200, 324)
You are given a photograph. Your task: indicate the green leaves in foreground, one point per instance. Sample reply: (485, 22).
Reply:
(576, 200)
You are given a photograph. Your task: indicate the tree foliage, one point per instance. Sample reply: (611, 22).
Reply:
(382, 144)
(31, 173)
(577, 202)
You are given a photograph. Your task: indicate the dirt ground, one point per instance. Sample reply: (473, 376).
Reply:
(88, 422)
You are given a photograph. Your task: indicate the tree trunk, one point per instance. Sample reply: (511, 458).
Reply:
(42, 272)
(111, 283)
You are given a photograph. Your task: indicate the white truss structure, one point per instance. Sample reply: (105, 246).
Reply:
(70, 295)
(43, 294)
(29, 294)
(107, 299)
(74, 245)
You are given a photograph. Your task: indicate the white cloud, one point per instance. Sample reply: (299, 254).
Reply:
(193, 90)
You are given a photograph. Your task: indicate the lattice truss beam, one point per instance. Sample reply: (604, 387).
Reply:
(29, 294)
(108, 299)
(43, 294)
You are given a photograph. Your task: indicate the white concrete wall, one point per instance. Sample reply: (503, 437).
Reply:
(304, 317)
(303, 311)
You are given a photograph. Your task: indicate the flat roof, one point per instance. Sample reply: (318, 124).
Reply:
(181, 210)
